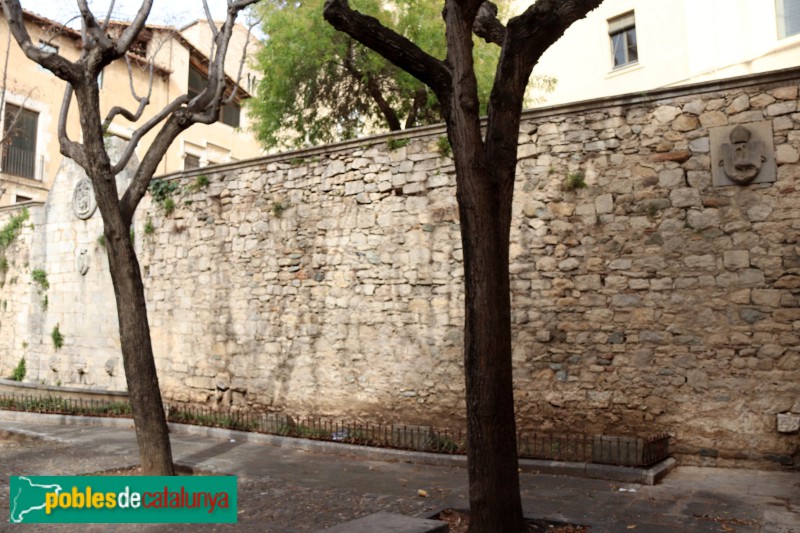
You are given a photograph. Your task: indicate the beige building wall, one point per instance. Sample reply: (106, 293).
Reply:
(679, 42)
(34, 88)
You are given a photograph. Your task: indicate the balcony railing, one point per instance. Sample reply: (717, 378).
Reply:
(19, 162)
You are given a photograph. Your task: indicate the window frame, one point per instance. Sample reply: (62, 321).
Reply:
(781, 20)
(19, 165)
(230, 113)
(624, 27)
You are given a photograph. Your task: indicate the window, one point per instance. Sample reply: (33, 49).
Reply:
(197, 82)
(19, 199)
(191, 162)
(788, 15)
(229, 113)
(622, 31)
(19, 149)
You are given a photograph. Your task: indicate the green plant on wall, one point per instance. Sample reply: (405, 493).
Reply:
(396, 144)
(57, 337)
(40, 278)
(575, 181)
(279, 207)
(443, 146)
(19, 372)
(200, 182)
(162, 192)
(101, 240)
(8, 233)
(149, 229)
(11, 229)
(168, 206)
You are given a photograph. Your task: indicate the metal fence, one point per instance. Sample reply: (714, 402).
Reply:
(600, 449)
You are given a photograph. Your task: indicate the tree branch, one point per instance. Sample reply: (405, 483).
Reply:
(373, 89)
(203, 108)
(53, 62)
(90, 25)
(68, 147)
(143, 100)
(420, 99)
(175, 124)
(528, 36)
(487, 26)
(391, 45)
(125, 41)
(142, 130)
(212, 26)
(242, 62)
(104, 26)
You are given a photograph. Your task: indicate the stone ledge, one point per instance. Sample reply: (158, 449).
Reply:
(389, 523)
(70, 393)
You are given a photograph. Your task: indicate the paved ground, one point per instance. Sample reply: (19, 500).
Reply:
(285, 490)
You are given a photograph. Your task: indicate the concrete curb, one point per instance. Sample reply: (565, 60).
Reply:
(623, 474)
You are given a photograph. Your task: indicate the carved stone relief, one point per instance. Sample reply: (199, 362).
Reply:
(83, 261)
(83, 201)
(742, 154)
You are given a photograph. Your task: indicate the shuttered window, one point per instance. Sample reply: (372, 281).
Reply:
(788, 13)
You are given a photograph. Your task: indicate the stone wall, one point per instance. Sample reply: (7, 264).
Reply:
(329, 281)
(76, 297)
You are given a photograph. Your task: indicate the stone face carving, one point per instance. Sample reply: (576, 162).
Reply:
(83, 262)
(83, 201)
(743, 154)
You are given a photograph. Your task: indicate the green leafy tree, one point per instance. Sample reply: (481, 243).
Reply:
(319, 85)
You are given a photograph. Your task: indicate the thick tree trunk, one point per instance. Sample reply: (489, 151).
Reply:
(152, 433)
(495, 504)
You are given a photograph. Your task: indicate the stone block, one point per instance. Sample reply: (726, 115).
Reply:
(671, 178)
(736, 259)
(666, 113)
(788, 422)
(781, 108)
(685, 123)
(785, 93)
(685, 197)
(604, 204)
(786, 153)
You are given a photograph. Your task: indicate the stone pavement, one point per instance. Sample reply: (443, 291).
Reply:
(290, 490)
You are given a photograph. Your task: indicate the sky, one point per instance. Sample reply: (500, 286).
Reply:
(173, 12)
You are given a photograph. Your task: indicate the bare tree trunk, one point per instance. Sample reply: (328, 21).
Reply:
(495, 504)
(152, 433)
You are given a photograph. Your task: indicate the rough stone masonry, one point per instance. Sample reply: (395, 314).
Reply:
(329, 281)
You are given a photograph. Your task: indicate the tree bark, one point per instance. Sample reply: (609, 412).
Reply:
(152, 433)
(495, 504)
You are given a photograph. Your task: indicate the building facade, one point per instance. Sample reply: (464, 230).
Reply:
(634, 46)
(32, 101)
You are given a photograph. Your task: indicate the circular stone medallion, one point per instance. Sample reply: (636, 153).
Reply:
(83, 202)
